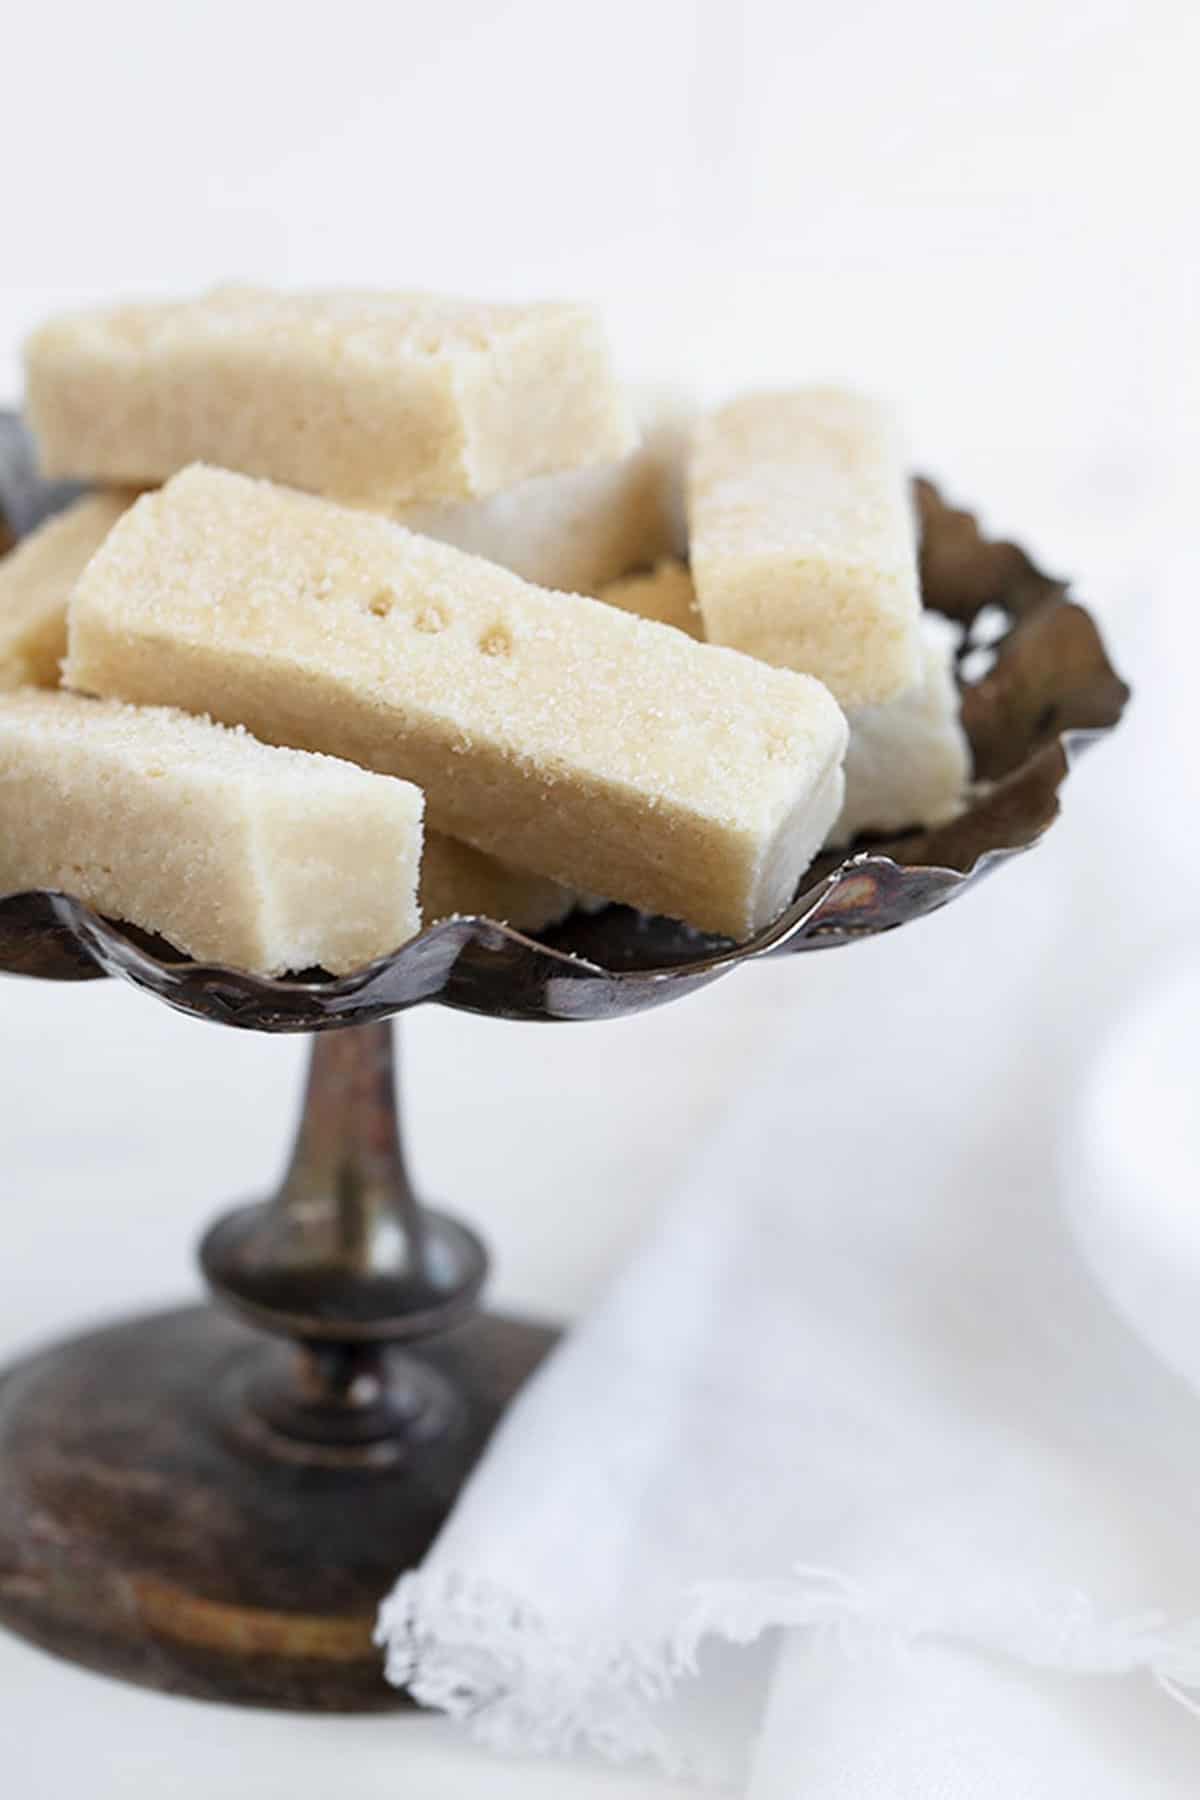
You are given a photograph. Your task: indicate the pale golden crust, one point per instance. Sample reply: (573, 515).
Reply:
(803, 541)
(601, 751)
(266, 859)
(457, 881)
(36, 579)
(373, 398)
(665, 593)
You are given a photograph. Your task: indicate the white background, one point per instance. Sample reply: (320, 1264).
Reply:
(987, 211)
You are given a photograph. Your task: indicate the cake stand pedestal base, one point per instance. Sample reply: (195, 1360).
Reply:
(154, 1527)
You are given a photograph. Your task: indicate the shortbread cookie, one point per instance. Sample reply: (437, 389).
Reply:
(909, 762)
(602, 751)
(803, 539)
(459, 882)
(665, 593)
(577, 530)
(265, 859)
(36, 579)
(373, 398)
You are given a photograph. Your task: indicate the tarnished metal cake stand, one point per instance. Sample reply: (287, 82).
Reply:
(213, 1501)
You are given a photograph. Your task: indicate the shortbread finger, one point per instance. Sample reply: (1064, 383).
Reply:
(803, 539)
(665, 593)
(373, 398)
(36, 579)
(564, 736)
(457, 881)
(265, 859)
(584, 527)
(908, 761)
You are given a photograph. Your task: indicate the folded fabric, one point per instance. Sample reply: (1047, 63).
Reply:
(857, 1396)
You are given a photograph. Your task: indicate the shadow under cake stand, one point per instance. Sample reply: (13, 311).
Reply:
(213, 1501)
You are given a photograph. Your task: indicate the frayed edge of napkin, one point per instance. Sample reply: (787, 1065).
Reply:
(527, 1684)
(474, 1650)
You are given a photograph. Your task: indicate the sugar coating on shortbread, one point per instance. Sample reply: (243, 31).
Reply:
(459, 882)
(374, 398)
(803, 539)
(36, 578)
(239, 853)
(908, 761)
(584, 527)
(665, 593)
(569, 738)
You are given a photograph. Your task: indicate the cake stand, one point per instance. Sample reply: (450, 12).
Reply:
(212, 1501)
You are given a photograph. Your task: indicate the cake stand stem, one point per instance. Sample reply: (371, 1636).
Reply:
(345, 1262)
(213, 1501)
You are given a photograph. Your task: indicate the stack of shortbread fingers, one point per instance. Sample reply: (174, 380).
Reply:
(386, 608)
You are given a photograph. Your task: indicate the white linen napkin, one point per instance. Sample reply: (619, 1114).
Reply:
(857, 1402)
